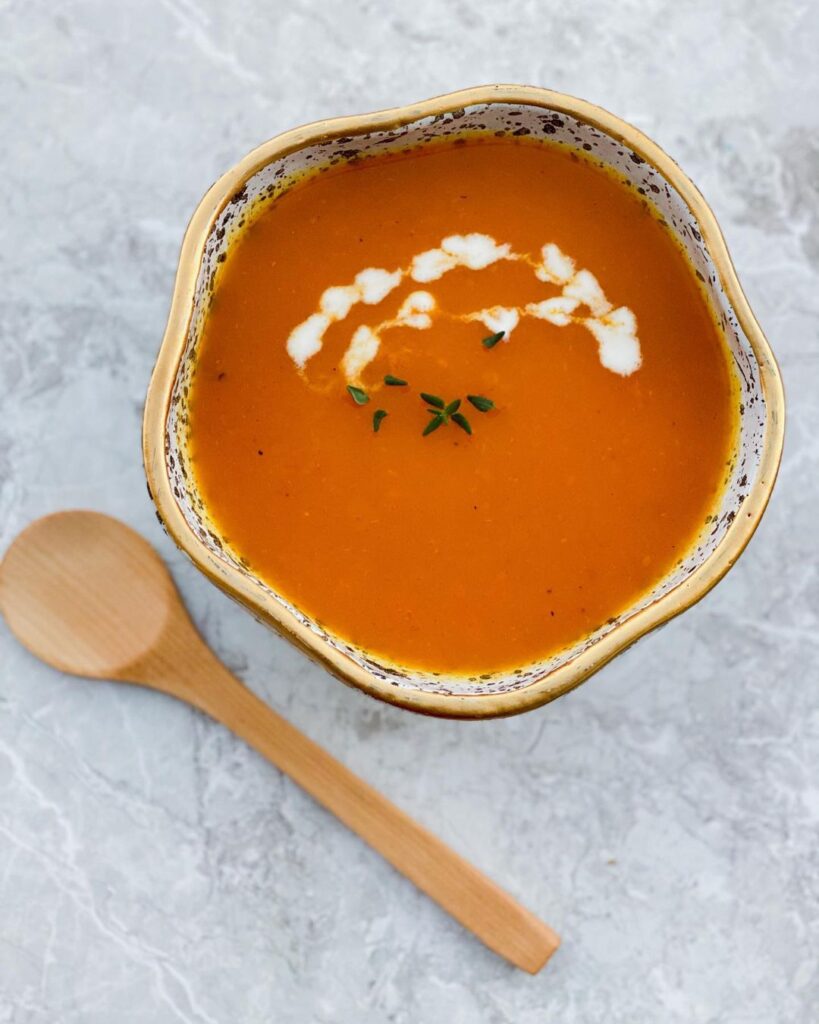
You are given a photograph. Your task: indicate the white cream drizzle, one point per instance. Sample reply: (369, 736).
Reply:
(554, 266)
(371, 286)
(415, 311)
(615, 330)
(473, 251)
(497, 318)
(361, 352)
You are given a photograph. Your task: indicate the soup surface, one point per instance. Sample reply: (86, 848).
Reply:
(515, 272)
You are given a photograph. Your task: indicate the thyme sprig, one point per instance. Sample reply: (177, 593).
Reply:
(442, 413)
(493, 339)
(481, 402)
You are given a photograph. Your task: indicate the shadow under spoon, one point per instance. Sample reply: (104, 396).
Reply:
(88, 595)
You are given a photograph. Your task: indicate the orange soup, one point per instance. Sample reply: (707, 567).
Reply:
(461, 405)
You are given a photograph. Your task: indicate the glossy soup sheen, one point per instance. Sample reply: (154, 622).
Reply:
(573, 496)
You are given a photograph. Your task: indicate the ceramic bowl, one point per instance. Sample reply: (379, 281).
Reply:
(506, 110)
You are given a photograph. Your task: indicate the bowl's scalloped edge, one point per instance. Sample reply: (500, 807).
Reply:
(573, 672)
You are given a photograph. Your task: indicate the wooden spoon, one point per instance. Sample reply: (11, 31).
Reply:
(89, 596)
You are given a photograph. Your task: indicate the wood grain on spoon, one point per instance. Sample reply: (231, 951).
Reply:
(91, 597)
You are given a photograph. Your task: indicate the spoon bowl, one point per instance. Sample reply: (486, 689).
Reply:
(74, 566)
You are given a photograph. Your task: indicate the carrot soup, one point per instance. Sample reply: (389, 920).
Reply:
(461, 404)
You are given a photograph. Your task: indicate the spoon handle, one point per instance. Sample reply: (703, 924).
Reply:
(474, 900)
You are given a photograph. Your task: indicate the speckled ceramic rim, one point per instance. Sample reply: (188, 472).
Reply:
(565, 677)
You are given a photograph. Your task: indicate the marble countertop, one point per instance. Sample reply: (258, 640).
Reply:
(664, 817)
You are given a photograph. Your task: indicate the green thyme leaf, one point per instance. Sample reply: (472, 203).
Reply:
(433, 424)
(493, 339)
(378, 416)
(462, 421)
(359, 397)
(394, 382)
(432, 400)
(481, 402)
(453, 407)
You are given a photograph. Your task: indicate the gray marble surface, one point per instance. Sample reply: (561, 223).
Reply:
(664, 817)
